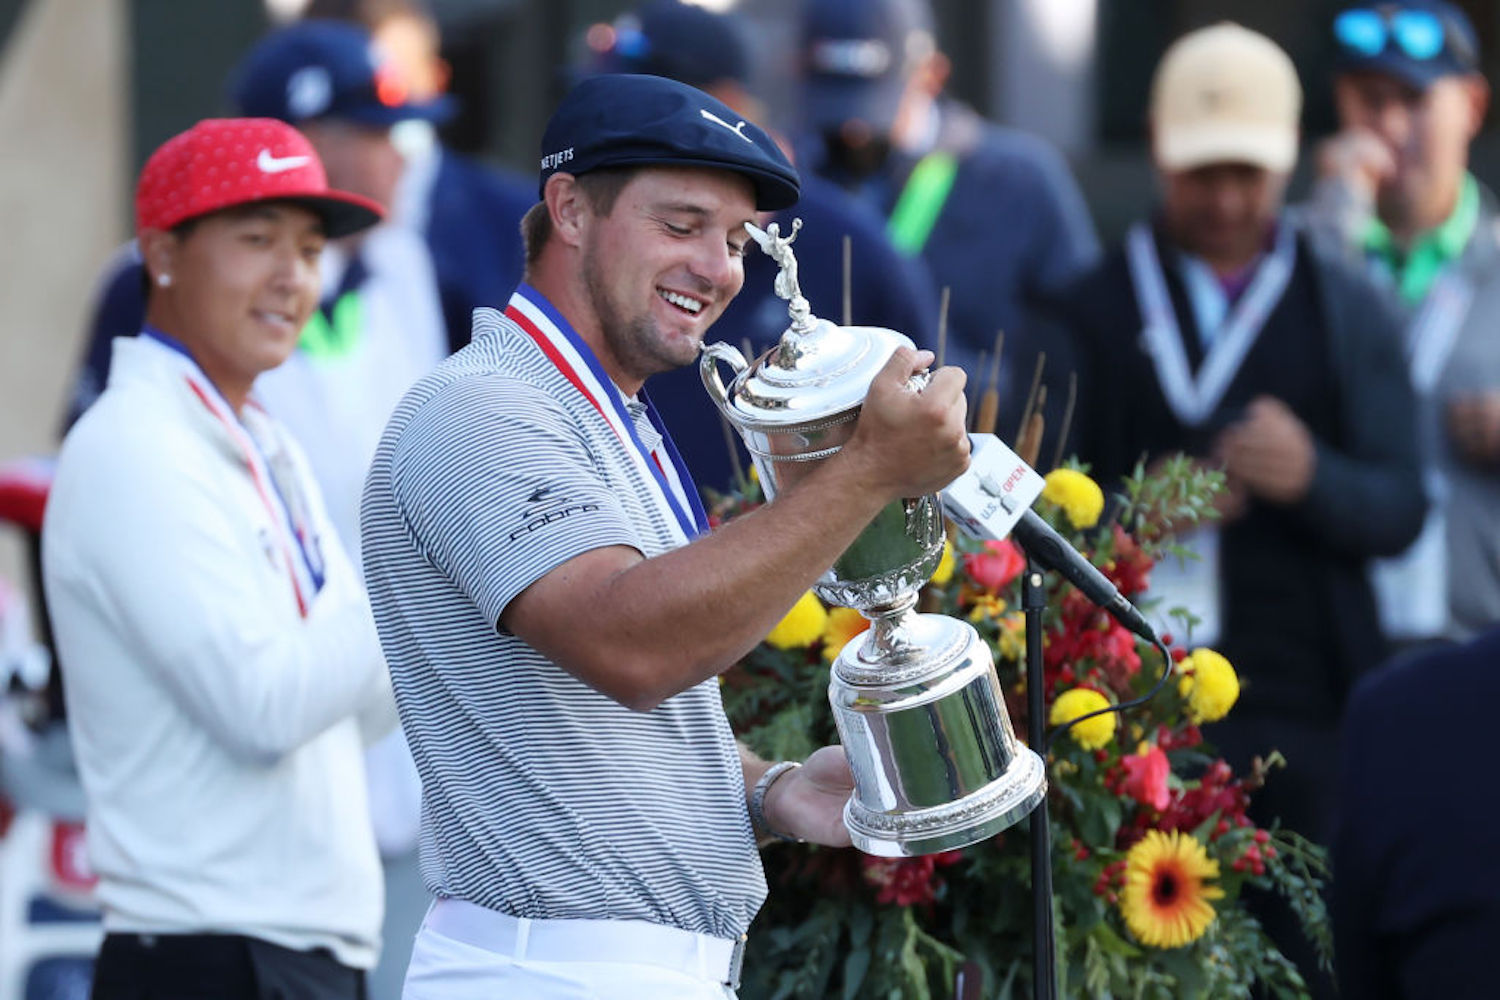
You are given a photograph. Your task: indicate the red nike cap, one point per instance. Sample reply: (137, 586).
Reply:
(220, 163)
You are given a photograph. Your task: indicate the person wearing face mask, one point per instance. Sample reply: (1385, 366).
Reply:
(993, 212)
(1396, 196)
(1219, 330)
(222, 674)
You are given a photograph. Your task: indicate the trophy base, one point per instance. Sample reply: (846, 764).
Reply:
(948, 827)
(936, 763)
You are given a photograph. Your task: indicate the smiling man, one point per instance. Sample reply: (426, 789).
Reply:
(221, 666)
(552, 604)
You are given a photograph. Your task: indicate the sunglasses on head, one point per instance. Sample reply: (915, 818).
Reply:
(1418, 34)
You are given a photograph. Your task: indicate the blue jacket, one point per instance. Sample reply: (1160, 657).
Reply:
(1013, 228)
(1416, 893)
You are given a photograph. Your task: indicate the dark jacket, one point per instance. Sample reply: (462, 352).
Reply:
(1416, 892)
(1298, 610)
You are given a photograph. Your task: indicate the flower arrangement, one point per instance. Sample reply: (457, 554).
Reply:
(1151, 843)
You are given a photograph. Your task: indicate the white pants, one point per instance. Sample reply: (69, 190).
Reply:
(503, 958)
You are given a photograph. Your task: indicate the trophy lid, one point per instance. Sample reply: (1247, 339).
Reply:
(818, 370)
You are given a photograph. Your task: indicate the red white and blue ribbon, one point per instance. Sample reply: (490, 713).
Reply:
(663, 467)
(280, 492)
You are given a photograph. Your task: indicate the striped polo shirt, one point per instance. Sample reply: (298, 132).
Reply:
(541, 797)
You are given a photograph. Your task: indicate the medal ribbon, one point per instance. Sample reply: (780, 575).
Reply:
(577, 363)
(293, 525)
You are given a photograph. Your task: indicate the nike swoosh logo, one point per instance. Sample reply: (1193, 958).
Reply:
(719, 121)
(269, 164)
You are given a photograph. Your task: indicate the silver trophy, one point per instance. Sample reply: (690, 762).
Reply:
(936, 763)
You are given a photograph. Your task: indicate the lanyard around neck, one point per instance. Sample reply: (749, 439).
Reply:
(285, 502)
(1193, 398)
(577, 363)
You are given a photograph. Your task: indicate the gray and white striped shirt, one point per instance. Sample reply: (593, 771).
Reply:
(542, 798)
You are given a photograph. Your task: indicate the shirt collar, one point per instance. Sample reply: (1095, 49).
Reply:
(1416, 269)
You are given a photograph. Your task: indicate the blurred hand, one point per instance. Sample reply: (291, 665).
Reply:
(1474, 426)
(1359, 158)
(809, 801)
(1270, 452)
(911, 443)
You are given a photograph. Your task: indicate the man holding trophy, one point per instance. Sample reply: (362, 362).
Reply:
(552, 605)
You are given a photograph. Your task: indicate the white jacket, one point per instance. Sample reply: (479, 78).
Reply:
(218, 731)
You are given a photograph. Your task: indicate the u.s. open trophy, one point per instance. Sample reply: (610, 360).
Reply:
(936, 763)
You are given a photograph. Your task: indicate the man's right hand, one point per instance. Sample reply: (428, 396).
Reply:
(907, 443)
(1360, 159)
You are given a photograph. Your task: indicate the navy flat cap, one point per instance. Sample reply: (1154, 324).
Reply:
(635, 120)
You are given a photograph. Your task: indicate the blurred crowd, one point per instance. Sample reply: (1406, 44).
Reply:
(1337, 360)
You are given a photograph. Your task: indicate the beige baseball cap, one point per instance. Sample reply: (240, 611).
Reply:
(1225, 94)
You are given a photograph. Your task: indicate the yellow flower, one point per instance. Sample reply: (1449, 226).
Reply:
(802, 626)
(1078, 495)
(986, 606)
(1012, 638)
(1209, 684)
(1094, 733)
(1165, 902)
(843, 624)
(944, 571)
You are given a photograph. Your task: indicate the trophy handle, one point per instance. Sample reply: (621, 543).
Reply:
(708, 369)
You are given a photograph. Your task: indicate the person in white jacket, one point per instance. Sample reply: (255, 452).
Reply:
(220, 661)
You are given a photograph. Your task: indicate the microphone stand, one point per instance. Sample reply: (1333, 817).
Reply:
(1044, 942)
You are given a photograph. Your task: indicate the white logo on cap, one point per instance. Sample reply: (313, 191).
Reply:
(719, 121)
(269, 164)
(309, 91)
(554, 160)
(863, 57)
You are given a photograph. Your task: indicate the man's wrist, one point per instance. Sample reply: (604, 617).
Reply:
(758, 795)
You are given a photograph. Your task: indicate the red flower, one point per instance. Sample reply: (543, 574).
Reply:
(1146, 778)
(907, 881)
(996, 566)
(1116, 653)
(1130, 570)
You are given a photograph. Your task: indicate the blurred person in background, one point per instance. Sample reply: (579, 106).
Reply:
(1220, 331)
(222, 668)
(994, 212)
(1396, 196)
(468, 212)
(1416, 891)
(712, 52)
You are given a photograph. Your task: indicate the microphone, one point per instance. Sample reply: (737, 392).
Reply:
(1053, 552)
(993, 499)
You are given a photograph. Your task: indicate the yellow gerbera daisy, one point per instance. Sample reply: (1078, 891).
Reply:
(1078, 495)
(802, 625)
(1209, 684)
(843, 624)
(1165, 902)
(1094, 733)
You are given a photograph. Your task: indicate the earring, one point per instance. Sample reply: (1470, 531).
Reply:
(164, 280)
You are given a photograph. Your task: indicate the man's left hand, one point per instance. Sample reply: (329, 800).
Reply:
(1270, 451)
(809, 801)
